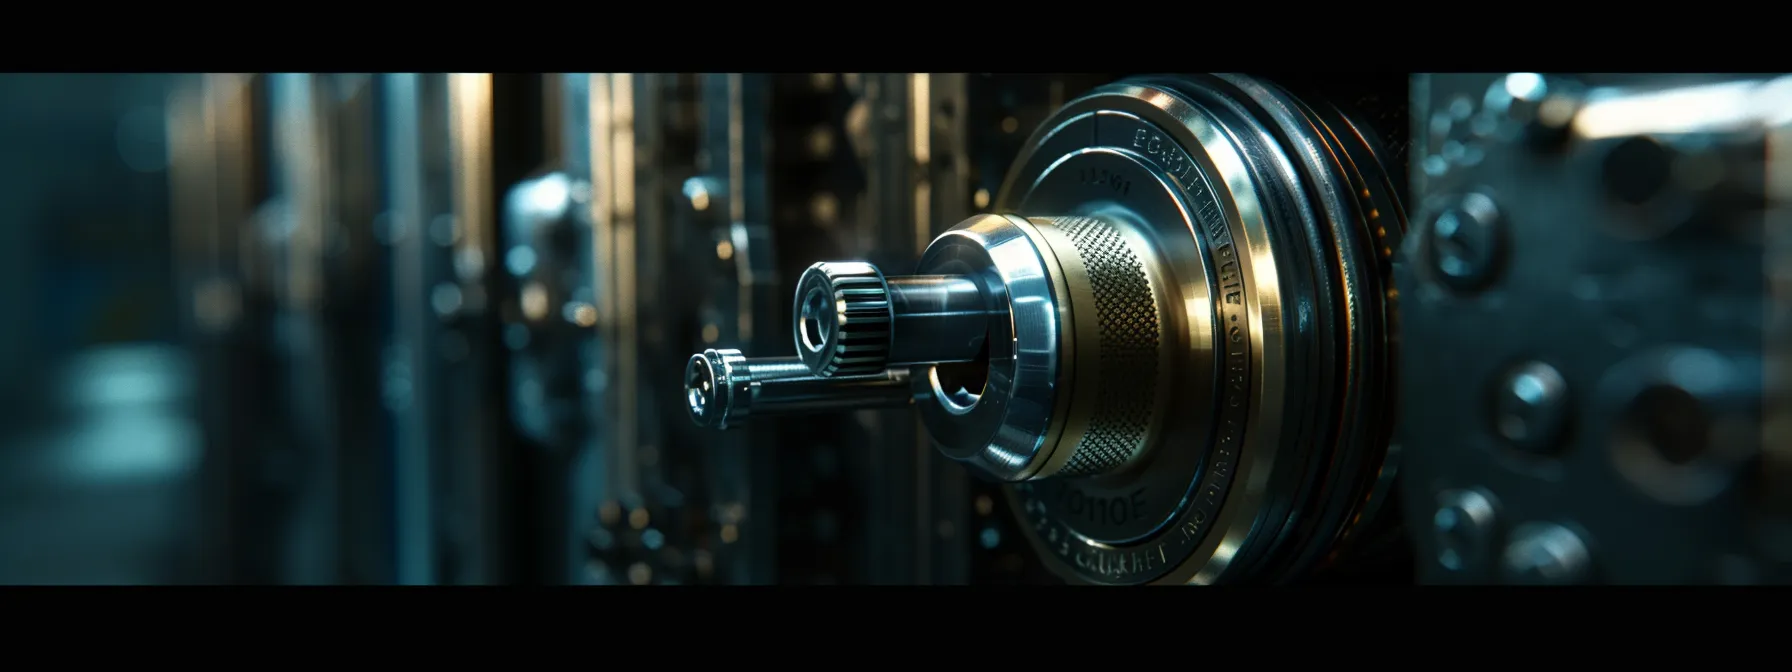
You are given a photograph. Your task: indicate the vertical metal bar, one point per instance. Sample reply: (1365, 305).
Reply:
(211, 154)
(301, 159)
(442, 207)
(613, 252)
(625, 266)
(410, 377)
(749, 208)
(354, 296)
(470, 143)
(589, 469)
(477, 468)
(640, 172)
(920, 136)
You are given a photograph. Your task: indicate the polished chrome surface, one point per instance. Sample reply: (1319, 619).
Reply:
(1003, 426)
(723, 389)
(1216, 227)
(803, 395)
(1112, 296)
(1101, 402)
(1189, 188)
(852, 320)
(1268, 213)
(939, 318)
(719, 384)
(1102, 398)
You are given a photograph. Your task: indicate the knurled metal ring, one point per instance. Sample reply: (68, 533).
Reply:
(843, 319)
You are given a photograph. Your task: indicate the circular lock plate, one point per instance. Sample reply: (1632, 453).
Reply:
(1269, 222)
(1135, 157)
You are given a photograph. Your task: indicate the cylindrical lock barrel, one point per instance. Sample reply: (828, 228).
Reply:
(851, 320)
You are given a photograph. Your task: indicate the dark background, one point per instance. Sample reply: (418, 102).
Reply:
(97, 454)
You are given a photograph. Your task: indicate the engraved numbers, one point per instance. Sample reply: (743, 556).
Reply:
(1104, 177)
(1106, 510)
(1071, 520)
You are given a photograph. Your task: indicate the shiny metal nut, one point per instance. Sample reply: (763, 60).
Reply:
(844, 319)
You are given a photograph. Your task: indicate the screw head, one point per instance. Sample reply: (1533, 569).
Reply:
(1463, 530)
(1466, 242)
(1530, 407)
(1546, 554)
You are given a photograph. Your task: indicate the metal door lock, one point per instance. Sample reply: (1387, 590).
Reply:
(1170, 338)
